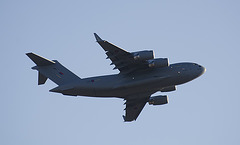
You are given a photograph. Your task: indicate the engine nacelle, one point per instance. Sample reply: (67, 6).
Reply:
(143, 55)
(158, 100)
(168, 89)
(158, 62)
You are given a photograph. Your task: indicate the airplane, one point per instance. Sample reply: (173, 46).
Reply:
(140, 75)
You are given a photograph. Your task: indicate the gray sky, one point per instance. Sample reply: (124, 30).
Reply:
(204, 111)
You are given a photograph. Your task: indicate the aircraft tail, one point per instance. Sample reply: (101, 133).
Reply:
(52, 70)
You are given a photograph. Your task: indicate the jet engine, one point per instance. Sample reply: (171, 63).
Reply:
(158, 100)
(158, 62)
(143, 55)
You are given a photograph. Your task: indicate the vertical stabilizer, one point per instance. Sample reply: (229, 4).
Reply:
(41, 79)
(52, 70)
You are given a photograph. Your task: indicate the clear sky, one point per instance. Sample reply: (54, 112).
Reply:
(204, 111)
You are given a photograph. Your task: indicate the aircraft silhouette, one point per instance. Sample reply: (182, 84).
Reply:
(141, 75)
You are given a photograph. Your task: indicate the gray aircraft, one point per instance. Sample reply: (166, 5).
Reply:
(141, 75)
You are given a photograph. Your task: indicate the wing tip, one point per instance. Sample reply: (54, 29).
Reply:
(97, 37)
(29, 53)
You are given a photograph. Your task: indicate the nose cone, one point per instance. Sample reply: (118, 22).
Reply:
(201, 69)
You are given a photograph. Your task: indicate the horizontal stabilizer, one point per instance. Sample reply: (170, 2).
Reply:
(38, 60)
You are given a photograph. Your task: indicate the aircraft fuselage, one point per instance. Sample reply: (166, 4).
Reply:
(121, 85)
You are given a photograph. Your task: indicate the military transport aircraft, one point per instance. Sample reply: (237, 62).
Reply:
(141, 75)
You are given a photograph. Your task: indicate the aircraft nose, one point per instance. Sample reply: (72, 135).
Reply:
(202, 69)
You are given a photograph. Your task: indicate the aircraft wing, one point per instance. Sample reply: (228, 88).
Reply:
(123, 60)
(135, 106)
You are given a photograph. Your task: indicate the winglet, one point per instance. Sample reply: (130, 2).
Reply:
(97, 37)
